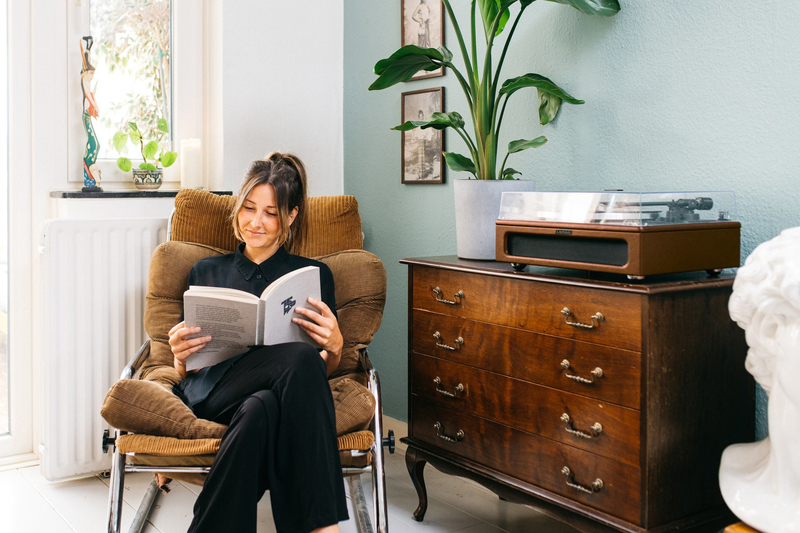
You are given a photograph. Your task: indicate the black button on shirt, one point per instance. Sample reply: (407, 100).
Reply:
(235, 271)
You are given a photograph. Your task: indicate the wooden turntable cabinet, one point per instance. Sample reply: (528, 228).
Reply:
(637, 234)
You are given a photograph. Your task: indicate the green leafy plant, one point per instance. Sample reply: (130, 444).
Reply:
(486, 97)
(152, 150)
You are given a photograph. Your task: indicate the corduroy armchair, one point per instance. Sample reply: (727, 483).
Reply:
(156, 432)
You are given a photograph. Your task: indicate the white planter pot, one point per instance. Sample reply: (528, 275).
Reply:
(477, 207)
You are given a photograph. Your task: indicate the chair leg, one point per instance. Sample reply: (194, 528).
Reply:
(379, 496)
(379, 503)
(115, 488)
(143, 512)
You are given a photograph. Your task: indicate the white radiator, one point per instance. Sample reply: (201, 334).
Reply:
(95, 278)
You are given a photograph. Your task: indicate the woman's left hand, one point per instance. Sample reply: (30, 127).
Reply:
(323, 327)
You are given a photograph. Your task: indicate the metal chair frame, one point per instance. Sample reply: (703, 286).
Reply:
(120, 466)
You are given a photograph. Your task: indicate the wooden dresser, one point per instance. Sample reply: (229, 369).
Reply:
(601, 402)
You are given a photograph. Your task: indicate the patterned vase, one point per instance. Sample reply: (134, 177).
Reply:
(147, 180)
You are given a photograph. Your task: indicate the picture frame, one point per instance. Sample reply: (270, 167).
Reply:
(422, 24)
(421, 149)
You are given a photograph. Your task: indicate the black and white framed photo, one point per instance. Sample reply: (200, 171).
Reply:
(422, 148)
(423, 26)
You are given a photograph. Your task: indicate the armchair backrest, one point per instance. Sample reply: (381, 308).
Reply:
(201, 227)
(333, 223)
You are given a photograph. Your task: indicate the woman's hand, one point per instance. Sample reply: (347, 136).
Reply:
(323, 327)
(182, 347)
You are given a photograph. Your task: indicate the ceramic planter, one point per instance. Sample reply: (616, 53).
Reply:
(477, 207)
(147, 180)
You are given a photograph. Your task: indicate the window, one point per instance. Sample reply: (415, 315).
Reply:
(152, 59)
(130, 51)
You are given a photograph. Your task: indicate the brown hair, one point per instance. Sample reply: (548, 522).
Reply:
(287, 175)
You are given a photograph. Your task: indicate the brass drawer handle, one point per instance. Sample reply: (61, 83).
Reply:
(596, 428)
(596, 373)
(596, 486)
(458, 388)
(595, 317)
(458, 438)
(456, 297)
(459, 342)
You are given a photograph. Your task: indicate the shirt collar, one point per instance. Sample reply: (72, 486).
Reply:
(268, 267)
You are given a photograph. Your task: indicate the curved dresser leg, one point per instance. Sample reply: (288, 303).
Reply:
(415, 467)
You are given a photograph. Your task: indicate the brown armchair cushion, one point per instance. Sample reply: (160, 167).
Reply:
(146, 407)
(141, 407)
(169, 272)
(360, 281)
(332, 222)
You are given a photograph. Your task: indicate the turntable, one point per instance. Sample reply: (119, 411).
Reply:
(633, 233)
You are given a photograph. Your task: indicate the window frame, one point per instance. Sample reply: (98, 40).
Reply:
(17, 446)
(190, 29)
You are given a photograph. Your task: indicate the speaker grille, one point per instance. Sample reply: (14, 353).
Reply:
(562, 248)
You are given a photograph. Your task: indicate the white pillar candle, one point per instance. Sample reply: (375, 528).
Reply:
(191, 164)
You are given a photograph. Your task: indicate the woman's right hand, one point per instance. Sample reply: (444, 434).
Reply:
(182, 347)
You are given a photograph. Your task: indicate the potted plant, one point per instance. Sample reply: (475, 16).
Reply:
(486, 99)
(155, 157)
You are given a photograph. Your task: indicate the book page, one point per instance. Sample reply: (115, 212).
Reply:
(231, 322)
(279, 302)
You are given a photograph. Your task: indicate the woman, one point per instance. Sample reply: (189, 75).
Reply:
(275, 400)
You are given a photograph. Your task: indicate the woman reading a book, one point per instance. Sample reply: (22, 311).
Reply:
(275, 399)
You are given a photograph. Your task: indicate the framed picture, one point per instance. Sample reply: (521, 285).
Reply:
(422, 149)
(423, 25)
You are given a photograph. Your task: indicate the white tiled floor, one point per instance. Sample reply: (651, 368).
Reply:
(29, 503)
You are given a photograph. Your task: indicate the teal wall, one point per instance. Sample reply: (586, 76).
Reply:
(680, 95)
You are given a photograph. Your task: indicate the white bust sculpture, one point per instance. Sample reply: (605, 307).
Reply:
(761, 481)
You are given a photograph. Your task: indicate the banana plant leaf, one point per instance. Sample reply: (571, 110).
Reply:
(522, 144)
(403, 64)
(508, 174)
(489, 12)
(459, 163)
(438, 121)
(600, 8)
(550, 94)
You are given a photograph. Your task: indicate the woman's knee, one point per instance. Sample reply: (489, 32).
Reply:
(260, 406)
(305, 357)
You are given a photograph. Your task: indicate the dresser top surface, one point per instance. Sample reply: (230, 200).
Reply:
(583, 278)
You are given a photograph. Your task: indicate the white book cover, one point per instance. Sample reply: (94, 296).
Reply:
(236, 319)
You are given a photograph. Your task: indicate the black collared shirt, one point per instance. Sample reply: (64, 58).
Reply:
(235, 271)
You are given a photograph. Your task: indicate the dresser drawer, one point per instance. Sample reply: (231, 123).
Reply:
(530, 458)
(532, 305)
(608, 430)
(553, 361)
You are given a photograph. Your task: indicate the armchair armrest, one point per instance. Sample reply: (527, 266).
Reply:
(133, 365)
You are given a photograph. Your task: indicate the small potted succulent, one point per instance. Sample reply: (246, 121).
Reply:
(155, 157)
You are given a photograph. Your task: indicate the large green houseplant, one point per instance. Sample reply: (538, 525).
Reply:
(486, 97)
(477, 206)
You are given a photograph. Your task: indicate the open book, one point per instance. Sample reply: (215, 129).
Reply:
(237, 319)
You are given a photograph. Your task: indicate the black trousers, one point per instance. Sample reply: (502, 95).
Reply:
(281, 437)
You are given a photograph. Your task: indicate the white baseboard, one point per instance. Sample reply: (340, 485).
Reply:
(400, 430)
(20, 461)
